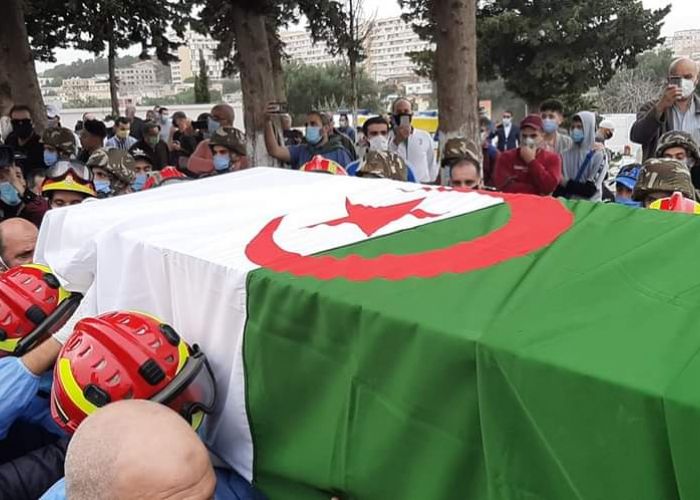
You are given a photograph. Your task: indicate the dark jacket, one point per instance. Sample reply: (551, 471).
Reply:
(29, 476)
(136, 128)
(510, 142)
(33, 149)
(649, 127)
(159, 156)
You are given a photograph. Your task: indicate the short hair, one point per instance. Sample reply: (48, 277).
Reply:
(375, 120)
(325, 120)
(507, 111)
(32, 175)
(160, 110)
(95, 127)
(149, 125)
(20, 107)
(344, 115)
(121, 120)
(398, 100)
(553, 105)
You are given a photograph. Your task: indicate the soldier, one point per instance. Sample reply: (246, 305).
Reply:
(461, 156)
(383, 165)
(660, 178)
(113, 172)
(59, 144)
(228, 148)
(682, 147)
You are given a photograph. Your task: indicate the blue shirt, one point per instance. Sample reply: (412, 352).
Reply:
(229, 486)
(303, 153)
(24, 396)
(353, 167)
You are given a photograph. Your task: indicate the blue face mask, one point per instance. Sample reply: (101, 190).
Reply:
(212, 125)
(103, 187)
(550, 126)
(313, 135)
(9, 195)
(221, 162)
(628, 202)
(139, 182)
(577, 135)
(50, 158)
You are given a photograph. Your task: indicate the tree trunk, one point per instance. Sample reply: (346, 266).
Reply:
(353, 89)
(455, 68)
(275, 45)
(18, 61)
(253, 53)
(113, 86)
(5, 88)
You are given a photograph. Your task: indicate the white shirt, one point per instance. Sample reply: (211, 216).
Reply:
(506, 130)
(688, 121)
(418, 152)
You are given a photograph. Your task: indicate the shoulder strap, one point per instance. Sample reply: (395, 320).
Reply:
(584, 165)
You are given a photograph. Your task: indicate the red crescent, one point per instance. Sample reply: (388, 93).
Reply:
(534, 223)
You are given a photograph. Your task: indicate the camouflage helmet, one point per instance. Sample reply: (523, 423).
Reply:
(230, 138)
(383, 164)
(663, 174)
(117, 163)
(62, 139)
(459, 149)
(678, 139)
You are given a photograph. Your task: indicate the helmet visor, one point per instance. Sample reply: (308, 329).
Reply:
(61, 169)
(193, 389)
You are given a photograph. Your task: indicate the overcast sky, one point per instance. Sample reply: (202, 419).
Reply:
(684, 15)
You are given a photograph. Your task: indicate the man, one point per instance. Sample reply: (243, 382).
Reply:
(68, 183)
(319, 142)
(414, 146)
(383, 165)
(142, 169)
(17, 242)
(113, 172)
(489, 152)
(24, 140)
(606, 131)
(135, 121)
(53, 119)
(153, 145)
(164, 122)
(59, 144)
(660, 178)
(92, 138)
(678, 108)
(681, 146)
(122, 138)
(291, 137)
(624, 185)
(345, 128)
(508, 135)
(528, 169)
(228, 149)
(201, 161)
(461, 157)
(552, 114)
(585, 166)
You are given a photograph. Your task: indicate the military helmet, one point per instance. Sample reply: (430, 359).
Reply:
(460, 149)
(383, 164)
(678, 139)
(663, 174)
(117, 162)
(60, 138)
(230, 138)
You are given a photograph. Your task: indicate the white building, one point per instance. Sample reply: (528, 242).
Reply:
(389, 42)
(138, 75)
(685, 43)
(196, 46)
(301, 49)
(78, 89)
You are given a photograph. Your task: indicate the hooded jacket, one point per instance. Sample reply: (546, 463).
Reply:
(584, 183)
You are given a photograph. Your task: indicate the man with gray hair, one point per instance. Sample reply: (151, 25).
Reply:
(677, 109)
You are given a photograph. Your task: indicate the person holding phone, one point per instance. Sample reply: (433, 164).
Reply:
(676, 109)
(413, 145)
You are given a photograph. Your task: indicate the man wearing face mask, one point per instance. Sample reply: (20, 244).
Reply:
(681, 146)
(113, 172)
(92, 138)
(164, 122)
(153, 146)
(678, 108)
(552, 113)
(376, 132)
(508, 135)
(24, 140)
(344, 127)
(228, 148)
(59, 144)
(318, 142)
(414, 146)
(585, 165)
(201, 162)
(122, 138)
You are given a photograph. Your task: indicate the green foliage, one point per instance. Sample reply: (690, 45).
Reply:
(201, 83)
(551, 48)
(501, 99)
(88, 102)
(326, 88)
(87, 68)
(185, 97)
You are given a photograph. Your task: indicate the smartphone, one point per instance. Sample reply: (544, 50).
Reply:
(279, 108)
(675, 80)
(405, 121)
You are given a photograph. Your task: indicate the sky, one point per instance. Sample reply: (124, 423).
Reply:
(684, 15)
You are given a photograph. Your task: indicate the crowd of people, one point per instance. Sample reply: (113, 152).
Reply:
(63, 375)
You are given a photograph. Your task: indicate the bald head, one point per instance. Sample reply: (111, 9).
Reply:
(17, 241)
(137, 449)
(224, 114)
(685, 68)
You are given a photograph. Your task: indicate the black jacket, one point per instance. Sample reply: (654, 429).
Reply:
(159, 156)
(33, 149)
(510, 142)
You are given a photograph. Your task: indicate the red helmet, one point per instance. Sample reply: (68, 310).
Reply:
(676, 203)
(165, 176)
(320, 164)
(33, 305)
(129, 355)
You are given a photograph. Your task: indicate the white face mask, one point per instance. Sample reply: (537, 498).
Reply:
(687, 87)
(379, 143)
(507, 122)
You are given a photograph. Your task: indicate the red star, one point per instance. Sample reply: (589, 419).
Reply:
(372, 219)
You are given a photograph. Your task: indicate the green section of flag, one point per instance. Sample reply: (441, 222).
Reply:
(569, 373)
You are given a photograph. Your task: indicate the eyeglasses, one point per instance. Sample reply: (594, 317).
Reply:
(61, 169)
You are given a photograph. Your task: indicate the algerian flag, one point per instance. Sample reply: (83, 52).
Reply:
(375, 339)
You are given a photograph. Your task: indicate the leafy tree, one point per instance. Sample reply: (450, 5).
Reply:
(184, 97)
(201, 82)
(87, 68)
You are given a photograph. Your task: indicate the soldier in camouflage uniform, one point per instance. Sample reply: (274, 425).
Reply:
(383, 165)
(113, 171)
(660, 178)
(59, 144)
(681, 146)
(461, 156)
(228, 147)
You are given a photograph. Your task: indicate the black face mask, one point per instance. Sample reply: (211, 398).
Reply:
(23, 128)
